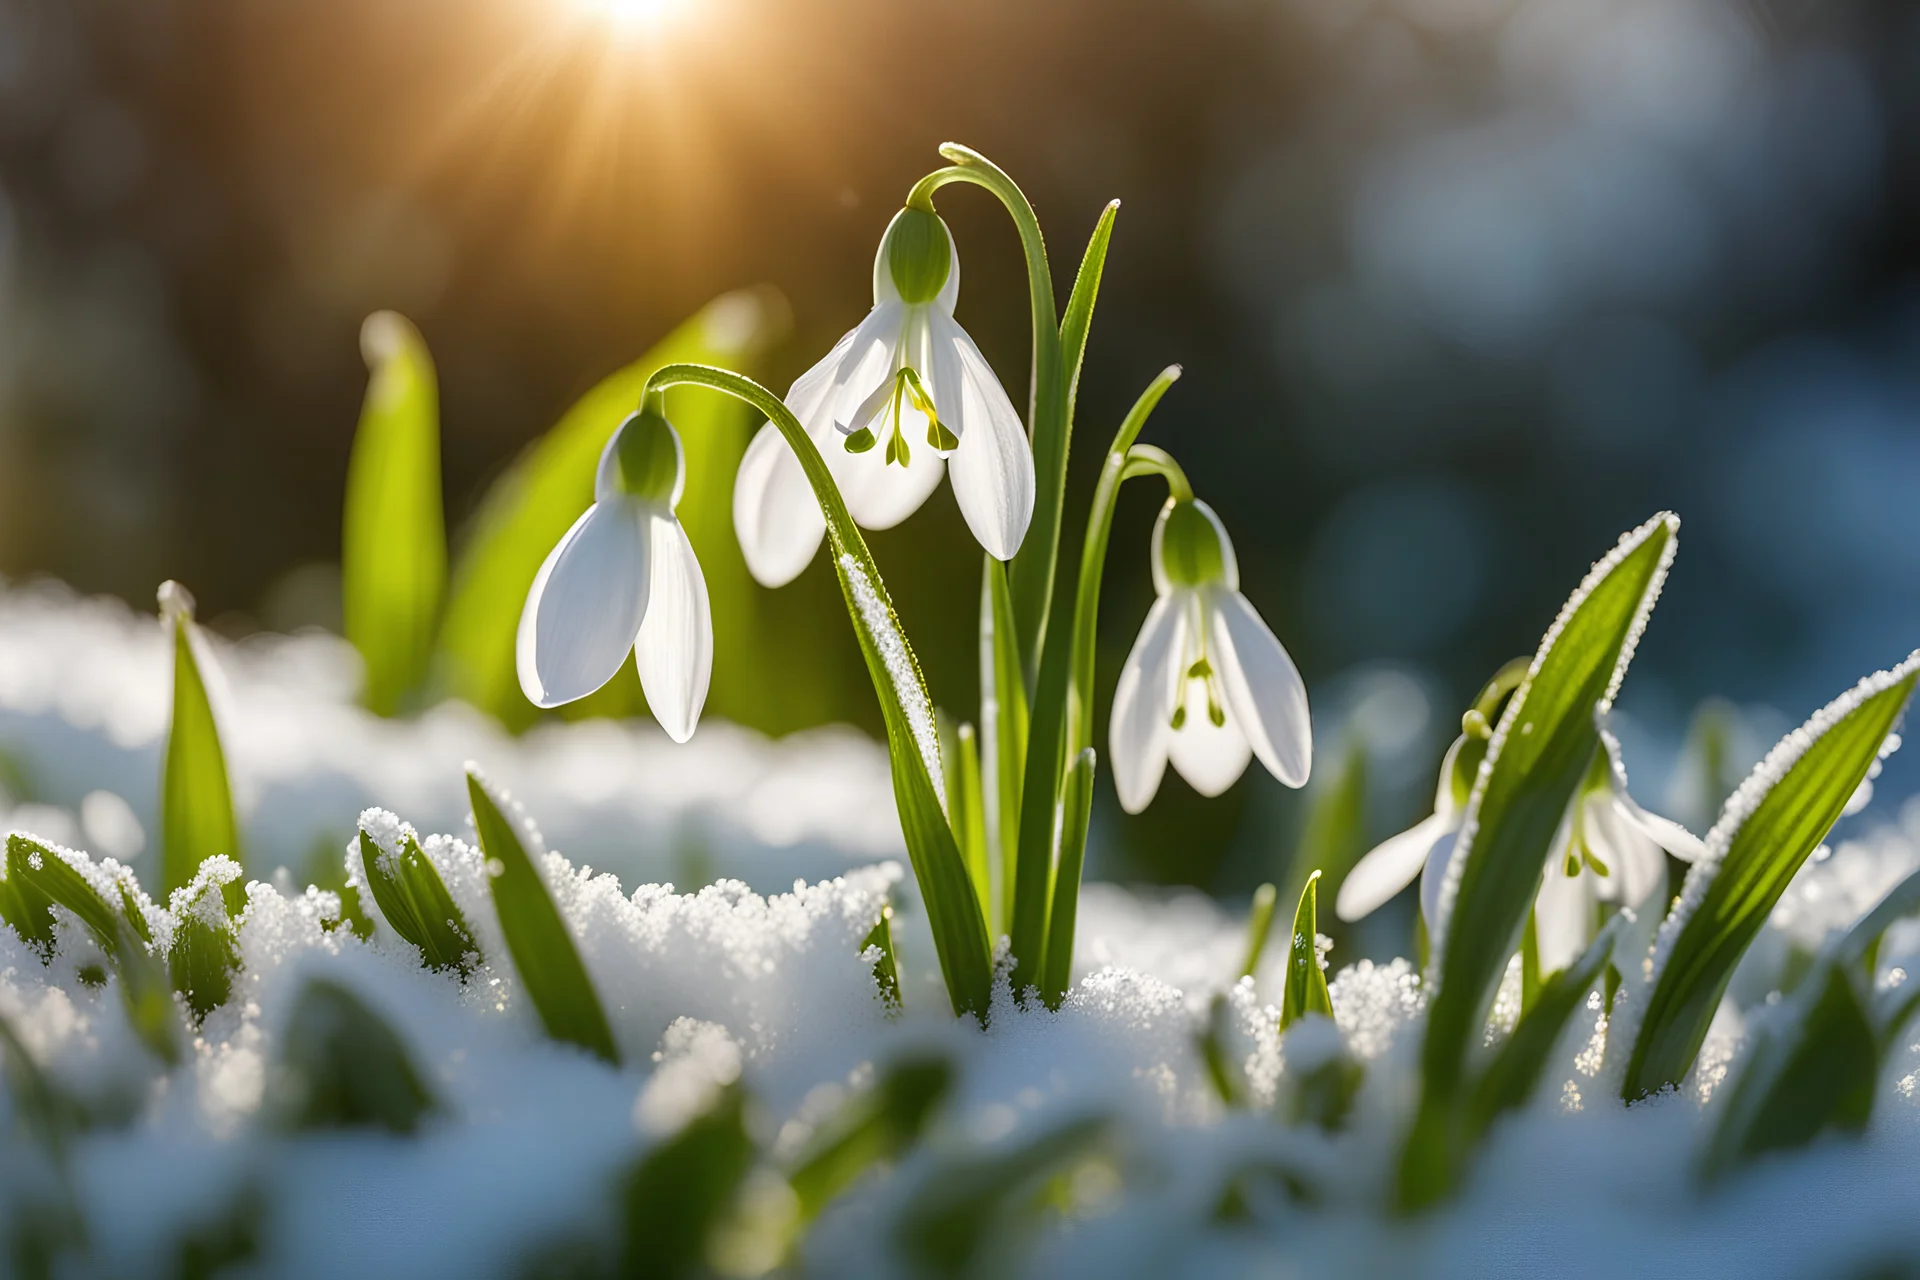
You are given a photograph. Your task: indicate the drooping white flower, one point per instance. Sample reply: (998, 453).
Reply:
(624, 578)
(1207, 684)
(1383, 872)
(899, 400)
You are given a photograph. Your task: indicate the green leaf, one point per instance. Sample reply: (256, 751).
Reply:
(196, 807)
(543, 951)
(341, 1066)
(1076, 802)
(46, 877)
(410, 894)
(205, 953)
(1259, 925)
(1306, 980)
(677, 1194)
(528, 509)
(1770, 825)
(1079, 316)
(1539, 753)
(968, 804)
(1510, 1079)
(1816, 1073)
(877, 1126)
(1223, 1073)
(886, 970)
(393, 553)
(1003, 726)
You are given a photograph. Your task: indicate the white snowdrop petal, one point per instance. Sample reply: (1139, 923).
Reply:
(1143, 704)
(1389, 867)
(775, 516)
(993, 467)
(1665, 832)
(584, 610)
(1211, 757)
(674, 652)
(1265, 693)
(1434, 875)
(880, 494)
(867, 358)
(1635, 865)
(1563, 915)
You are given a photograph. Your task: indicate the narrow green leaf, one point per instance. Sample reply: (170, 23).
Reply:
(1770, 825)
(1539, 753)
(527, 510)
(886, 970)
(1510, 1079)
(410, 894)
(1076, 804)
(677, 1195)
(543, 951)
(873, 1128)
(1225, 1075)
(393, 554)
(196, 807)
(1306, 980)
(47, 877)
(1816, 1073)
(1003, 724)
(205, 953)
(969, 808)
(341, 1066)
(1259, 925)
(1079, 316)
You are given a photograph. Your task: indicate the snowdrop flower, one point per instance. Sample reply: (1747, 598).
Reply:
(624, 578)
(1379, 876)
(1207, 684)
(894, 400)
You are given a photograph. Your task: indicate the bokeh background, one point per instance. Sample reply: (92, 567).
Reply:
(1463, 288)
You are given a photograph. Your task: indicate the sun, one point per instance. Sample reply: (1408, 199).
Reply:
(633, 17)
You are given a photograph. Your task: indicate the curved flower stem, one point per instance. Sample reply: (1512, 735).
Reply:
(953, 908)
(1048, 418)
(1062, 725)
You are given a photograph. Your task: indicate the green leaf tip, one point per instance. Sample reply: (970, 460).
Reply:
(411, 896)
(1306, 980)
(196, 804)
(205, 953)
(537, 936)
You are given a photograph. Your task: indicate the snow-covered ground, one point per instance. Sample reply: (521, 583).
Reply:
(769, 981)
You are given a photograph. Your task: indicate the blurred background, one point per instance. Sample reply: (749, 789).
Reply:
(1463, 288)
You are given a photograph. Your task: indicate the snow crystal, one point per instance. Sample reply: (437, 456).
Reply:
(902, 671)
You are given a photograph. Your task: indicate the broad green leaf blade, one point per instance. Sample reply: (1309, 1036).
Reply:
(877, 1126)
(48, 877)
(1510, 1079)
(205, 952)
(196, 806)
(1306, 980)
(1076, 805)
(886, 970)
(341, 1066)
(677, 1194)
(1776, 819)
(1817, 1072)
(1259, 925)
(543, 951)
(409, 892)
(1539, 752)
(393, 546)
(536, 501)
(1003, 727)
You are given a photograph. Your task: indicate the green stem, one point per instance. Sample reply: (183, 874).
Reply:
(1062, 712)
(953, 909)
(1032, 569)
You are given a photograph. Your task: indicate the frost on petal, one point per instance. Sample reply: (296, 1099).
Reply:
(1211, 757)
(1143, 705)
(1264, 689)
(675, 649)
(993, 467)
(584, 609)
(1390, 867)
(775, 515)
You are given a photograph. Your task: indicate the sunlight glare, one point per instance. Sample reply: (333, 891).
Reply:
(634, 17)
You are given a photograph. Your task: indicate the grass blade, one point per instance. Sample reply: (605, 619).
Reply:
(1539, 753)
(543, 951)
(342, 1067)
(1003, 725)
(196, 806)
(393, 552)
(1076, 803)
(1259, 926)
(1079, 316)
(1776, 819)
(410, 894)
(1306, 980)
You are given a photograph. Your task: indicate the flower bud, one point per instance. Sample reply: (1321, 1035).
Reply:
(917, 255)
(1191, 549)
(644, 459)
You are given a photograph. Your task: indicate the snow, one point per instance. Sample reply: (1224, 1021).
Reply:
(755, 975)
